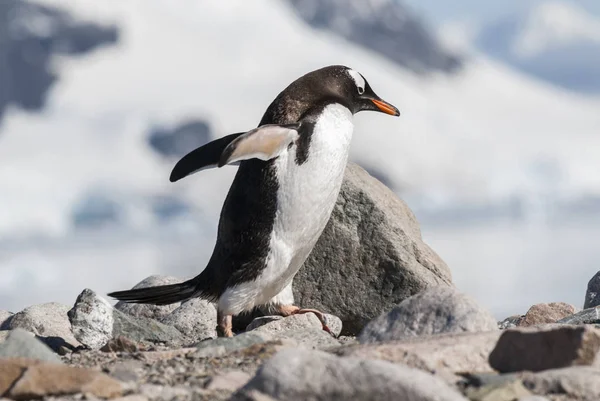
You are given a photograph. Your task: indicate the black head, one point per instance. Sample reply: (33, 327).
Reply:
(342, 85)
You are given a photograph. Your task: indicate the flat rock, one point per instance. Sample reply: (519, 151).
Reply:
(196, 319)
(94, 322)
(156, 312)
(228, 381)
(546, 313)
(586, 316)
(296, 374)
(592, 295)
(434, 311)
(48, 321)
(4, 316)
(44, 379)
(228, 344)
(370, 256)
(444, 354)
(545, 347)
(280, 323)
(578, 382)
(23, 344)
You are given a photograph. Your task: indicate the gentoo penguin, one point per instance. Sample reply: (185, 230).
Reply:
(290, 172)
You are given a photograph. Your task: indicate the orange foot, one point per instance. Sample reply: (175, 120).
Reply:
(288, 310)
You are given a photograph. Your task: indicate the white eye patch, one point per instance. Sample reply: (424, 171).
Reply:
(358, 80)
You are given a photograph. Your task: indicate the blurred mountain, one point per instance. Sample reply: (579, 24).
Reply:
(384, 26)
(555, 40)
(30, 35)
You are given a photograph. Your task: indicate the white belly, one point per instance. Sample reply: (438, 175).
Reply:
(306, 197)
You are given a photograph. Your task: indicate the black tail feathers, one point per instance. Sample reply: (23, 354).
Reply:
(161, 295)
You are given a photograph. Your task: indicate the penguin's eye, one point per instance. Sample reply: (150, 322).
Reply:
(361, 90)
(359, 81)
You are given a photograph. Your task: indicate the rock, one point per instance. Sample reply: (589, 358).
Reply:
(546, 313)
(586, 316)
(94, 322)
(4, 335)
(545, 347)
(370, 256)
(510, 322)
(41, 379)
(23, 344)
(279, 323)
(156, 392)
(196, 319)
(48, 321)
(296, 374)
(579, 382)
(4, 317)
(229, 344)
(156, 312)
(309, 338)
(444, 354)
(229, 381)
(508, 391)
(592, 297)
(434, 311)
(120, 344)
(533, 398)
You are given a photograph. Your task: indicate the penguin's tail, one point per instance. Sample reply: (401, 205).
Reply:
(166, 294)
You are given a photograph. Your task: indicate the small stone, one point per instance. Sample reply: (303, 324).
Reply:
(300, 374)
(545, 347)
(443, 354)
(4, 317)
(510, 322)
(45, 379)
(49, 322)
(434, 311)
(156, 312)
(229, 381)
(578, 382)
(23, 344)
(94, 322)
(546, 313)
(586, 316)
(592, 295)
(119, 344)
(196, 319)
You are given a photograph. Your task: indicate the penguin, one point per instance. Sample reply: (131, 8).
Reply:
(290, 171)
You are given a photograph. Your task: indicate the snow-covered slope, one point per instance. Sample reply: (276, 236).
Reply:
(554, 40)
(484, 136)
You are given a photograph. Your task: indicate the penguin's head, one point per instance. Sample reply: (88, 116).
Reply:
(346, 86)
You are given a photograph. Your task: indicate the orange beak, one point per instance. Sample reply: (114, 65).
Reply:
(385, 107)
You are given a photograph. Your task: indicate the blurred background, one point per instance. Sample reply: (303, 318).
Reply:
(497, 150)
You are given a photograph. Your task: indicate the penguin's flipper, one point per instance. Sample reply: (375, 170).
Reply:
(202, 158)
(265, 142)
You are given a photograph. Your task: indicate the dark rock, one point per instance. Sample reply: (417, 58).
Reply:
(370, 256)
(5, 316)
(95, 322)
(546, 313)
(586, 316)
(297, 374)
(578, 382)
(27, 53)
(23, 344)
(592, 297)
(156, 312)
(384, 27)
(120, 344)
(49, 322)
(545, 347)
(434, 311)
(196, 319)
(179, 141)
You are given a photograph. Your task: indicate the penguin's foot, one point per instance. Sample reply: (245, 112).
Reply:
(288, 310)
(224, 325)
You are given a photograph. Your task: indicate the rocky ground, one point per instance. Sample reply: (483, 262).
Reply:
(401, 331)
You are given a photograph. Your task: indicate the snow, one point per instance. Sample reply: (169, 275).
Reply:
(473, 138)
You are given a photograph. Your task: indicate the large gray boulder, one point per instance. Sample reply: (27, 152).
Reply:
(23, 344)
(434, 311)
(196, 319)
(592, 295)
(300, 374)
(370, 256)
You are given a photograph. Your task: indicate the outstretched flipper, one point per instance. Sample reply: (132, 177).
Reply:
(264, 142)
